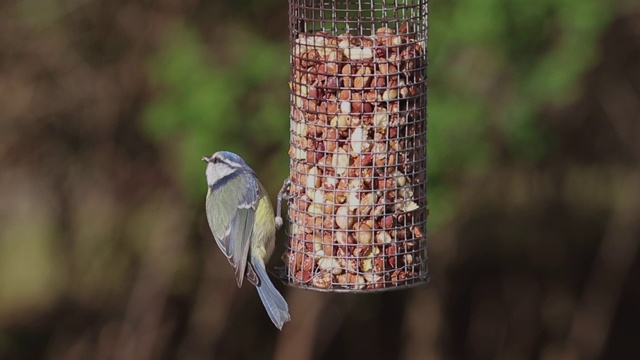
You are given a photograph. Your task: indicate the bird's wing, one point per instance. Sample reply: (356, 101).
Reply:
(232, 223)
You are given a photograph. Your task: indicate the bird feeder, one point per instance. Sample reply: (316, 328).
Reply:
(357, 205)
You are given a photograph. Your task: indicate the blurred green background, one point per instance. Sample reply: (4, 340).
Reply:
(106, 108)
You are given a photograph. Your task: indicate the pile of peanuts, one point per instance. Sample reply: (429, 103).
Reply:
(358, 161)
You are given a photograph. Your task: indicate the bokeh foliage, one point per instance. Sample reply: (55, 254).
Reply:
(219, 100)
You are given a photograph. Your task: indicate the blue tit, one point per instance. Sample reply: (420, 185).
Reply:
(243, 224)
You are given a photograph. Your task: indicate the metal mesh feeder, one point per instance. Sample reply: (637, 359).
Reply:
(357, 205)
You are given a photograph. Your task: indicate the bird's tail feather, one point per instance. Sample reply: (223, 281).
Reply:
(273, 302)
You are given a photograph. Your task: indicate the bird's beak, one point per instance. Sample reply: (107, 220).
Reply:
(204, 158)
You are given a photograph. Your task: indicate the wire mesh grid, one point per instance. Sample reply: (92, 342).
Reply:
(358, 204)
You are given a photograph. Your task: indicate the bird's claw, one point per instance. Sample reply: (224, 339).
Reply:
(283, 193)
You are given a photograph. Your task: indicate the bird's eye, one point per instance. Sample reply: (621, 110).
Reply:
(215, 160)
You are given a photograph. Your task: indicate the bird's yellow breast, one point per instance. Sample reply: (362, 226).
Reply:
(264, 229)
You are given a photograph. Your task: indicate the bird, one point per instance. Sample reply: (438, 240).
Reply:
(243, 225)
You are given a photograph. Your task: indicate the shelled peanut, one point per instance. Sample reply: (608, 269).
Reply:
(358, 160)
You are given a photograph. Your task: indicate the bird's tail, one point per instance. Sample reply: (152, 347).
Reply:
(273, 302)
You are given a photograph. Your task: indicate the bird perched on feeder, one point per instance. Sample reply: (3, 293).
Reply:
(243, 224)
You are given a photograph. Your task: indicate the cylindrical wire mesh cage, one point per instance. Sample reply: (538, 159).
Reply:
(358, 204)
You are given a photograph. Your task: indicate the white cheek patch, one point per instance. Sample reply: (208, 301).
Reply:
(215, 172)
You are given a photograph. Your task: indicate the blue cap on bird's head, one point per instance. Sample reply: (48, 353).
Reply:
(226, 157)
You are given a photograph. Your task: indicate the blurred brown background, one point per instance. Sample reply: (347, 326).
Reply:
(107, 106)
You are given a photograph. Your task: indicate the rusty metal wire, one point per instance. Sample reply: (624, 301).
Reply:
(358, 205)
